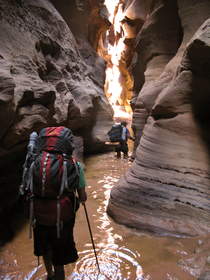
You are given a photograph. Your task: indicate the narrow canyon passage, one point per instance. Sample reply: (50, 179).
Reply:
(112, 47)
(123, 254)
(70, 63)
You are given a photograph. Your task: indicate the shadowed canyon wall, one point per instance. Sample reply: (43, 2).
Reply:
(167, 191)
(48, 77)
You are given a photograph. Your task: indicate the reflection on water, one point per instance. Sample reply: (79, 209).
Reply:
(122, 254)
(116, 262)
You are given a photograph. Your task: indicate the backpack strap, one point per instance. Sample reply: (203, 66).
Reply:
(76, 166)
(44, 175)
(58, 222)
(64, 185)
(64, 181)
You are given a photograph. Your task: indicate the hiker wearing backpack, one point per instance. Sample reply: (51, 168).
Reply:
(123, 145)
(54, 185)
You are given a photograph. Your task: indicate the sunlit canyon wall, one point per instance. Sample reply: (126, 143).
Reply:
(50, 75)
(167, 191)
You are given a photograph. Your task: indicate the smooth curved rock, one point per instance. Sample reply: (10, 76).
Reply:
(166, 191)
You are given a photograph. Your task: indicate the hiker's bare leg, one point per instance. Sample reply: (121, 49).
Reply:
(118, 154)
(48, 264)
(59, 272)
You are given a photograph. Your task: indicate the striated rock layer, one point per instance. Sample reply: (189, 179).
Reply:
(46, 79)
(167, 191)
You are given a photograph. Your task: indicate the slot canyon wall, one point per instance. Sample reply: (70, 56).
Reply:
(49, 76)
(166, 190)
(52, 75)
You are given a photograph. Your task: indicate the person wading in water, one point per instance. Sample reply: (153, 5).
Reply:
(54, 184)
(123, 145)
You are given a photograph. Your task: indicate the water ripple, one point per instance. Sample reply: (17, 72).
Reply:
(114, 263)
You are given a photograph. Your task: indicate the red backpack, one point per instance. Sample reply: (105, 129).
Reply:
(53, 177)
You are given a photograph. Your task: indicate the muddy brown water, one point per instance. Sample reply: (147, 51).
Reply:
(123, 254)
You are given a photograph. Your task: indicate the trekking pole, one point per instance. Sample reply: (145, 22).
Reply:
(86, 214)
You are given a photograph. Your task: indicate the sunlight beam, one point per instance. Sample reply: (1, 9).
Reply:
(113, 84)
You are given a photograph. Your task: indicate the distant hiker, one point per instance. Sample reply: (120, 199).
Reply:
(123, 146)
(115, 133)
(120, 133)
(52, 180)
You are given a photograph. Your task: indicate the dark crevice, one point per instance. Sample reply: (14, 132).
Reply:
(150, 180)
(29, 98)
(180, 170)
(166, 115)
(48, 47)
(188, 203)
(200, 100)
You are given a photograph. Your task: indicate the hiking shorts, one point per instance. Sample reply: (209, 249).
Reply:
(62, 249)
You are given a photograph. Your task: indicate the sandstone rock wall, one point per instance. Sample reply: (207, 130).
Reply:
(46, 79)
(166, 191)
